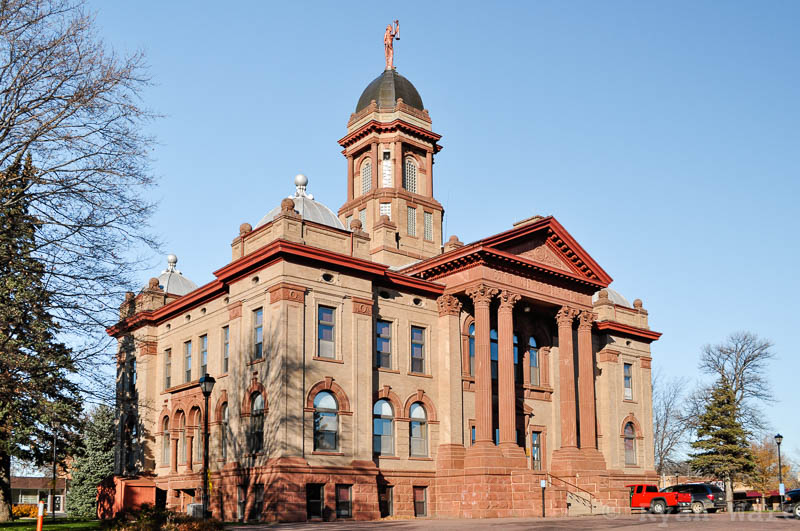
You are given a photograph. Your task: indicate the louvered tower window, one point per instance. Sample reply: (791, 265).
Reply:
(362, 217)
(412, 221)
(428, 226)
(386, 210)
(366, 177)
(410, 175)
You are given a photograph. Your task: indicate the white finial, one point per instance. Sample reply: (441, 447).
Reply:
(300, 183)
(172, 260)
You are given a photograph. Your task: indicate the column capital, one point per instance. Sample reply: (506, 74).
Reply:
(565, 316)
(481, 294)
(585, 320)
(448, 305)
(508, 299)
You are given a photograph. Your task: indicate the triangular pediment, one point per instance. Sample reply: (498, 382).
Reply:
(537, 250)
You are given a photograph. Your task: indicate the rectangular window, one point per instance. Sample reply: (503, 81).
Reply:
(362, 217)
(412, 221)
(347, 222)
(536, 450)
(533, 356)
(472, 435)
(168, 368)
(428, 220)
(417, 349)
(187, 363)
(258, 333)
(241, 502)
(315, 500)
(325, 340)
(386, 169)
(628, 377)
(344, 501)
(226, 345)
(203, 355)
(386, 210)
(493, 352)
(258, 503)
(133, 376)
(383, 344)
(366, 177)
(386, 500)
(420, 501)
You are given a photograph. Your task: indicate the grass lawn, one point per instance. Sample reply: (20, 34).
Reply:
(60, 523)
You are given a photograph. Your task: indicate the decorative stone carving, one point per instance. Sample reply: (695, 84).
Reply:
(362, 306)
(508, 299)
(448, 305)
(286, 291)
(566, 316)
(481, 294)
(585, 320)
(244, 228)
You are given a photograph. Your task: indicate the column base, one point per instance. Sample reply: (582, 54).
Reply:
(570, 460)
(514, 455)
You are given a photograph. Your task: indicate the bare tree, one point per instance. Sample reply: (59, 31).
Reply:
(670, 424)
(741, 362)
(74, 106)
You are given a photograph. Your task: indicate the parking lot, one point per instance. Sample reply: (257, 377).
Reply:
(720, 521)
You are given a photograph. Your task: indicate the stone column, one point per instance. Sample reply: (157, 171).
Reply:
(189, 448)
(173, 454)
(429, 168)
(375, 168)
(506, 398)
(586, 380)
(481, 296)
(350, 193)
(398, 164)
(566, 377)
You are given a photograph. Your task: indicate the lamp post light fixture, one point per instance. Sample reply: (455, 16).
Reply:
(778, 441)
(206, 385)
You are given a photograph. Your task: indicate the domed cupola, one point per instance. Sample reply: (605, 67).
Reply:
(172, 281)
(386, 89)
(306, 206)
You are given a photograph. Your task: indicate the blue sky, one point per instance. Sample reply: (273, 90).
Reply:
(662, 135)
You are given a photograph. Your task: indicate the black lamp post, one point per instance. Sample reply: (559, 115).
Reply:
(206, 385)
(53, 488)
(778, 441)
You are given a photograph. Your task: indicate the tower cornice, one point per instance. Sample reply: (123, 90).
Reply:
(390, 127)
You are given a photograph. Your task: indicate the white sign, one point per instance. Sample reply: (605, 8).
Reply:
(543, 483)
(781, 489)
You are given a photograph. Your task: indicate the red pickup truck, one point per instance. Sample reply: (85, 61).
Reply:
(648, 497)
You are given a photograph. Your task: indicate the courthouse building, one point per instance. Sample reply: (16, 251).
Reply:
(365, 367)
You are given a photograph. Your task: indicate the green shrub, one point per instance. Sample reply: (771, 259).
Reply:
(149, 518)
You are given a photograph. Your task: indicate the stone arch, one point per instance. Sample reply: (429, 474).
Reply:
(161, 416)
(469, 320)
(386, 393)
(221, 401)
(420, 396)
(637, 428)
(195, 416)
(329, 385)
(255, 386)
(175, 418)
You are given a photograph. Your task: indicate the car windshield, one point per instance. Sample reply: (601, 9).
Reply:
(714, 488)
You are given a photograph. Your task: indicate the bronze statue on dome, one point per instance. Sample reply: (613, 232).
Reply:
(388, 43)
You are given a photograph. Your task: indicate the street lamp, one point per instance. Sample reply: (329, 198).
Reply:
(53, 488)
(778, 441)
(206, 385)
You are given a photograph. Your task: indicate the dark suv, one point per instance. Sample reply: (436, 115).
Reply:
(705, 497)
(791, 502)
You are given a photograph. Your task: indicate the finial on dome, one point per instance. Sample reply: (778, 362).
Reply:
(300, 183)
(172, 261)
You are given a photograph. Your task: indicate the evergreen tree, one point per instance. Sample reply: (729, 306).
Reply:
(37, 396)
(94, 465)
(722, 447)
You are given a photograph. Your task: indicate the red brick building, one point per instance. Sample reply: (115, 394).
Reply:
(367, 368)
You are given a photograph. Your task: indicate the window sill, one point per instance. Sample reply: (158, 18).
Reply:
(322, 452)
(223, 375)
(630, 401)
(412, 458)
(393, 457)
(421, 375)
(384, 369)
(255, 454)
(329, 360)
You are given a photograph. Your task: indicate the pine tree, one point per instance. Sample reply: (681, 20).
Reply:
(36, 393)
(722, 447)
(94, 465)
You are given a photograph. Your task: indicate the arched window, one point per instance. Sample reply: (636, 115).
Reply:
(533, 361)
(382, 428)
(418, 430)
(630, 444)
(410, 175)
(197, 451)
(256, 422)
(471, 343)
(366, 176)
(326, 422)
(224, 432)
(165, 446)
(182, 441)
(493, 347)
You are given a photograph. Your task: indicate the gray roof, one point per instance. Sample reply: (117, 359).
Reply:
(387, 88)
(615, 297)
(172, 281)
(306, 206)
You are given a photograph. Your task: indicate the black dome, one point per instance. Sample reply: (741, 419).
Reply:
(387, 88)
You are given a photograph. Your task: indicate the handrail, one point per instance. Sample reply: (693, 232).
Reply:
(591, 496)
